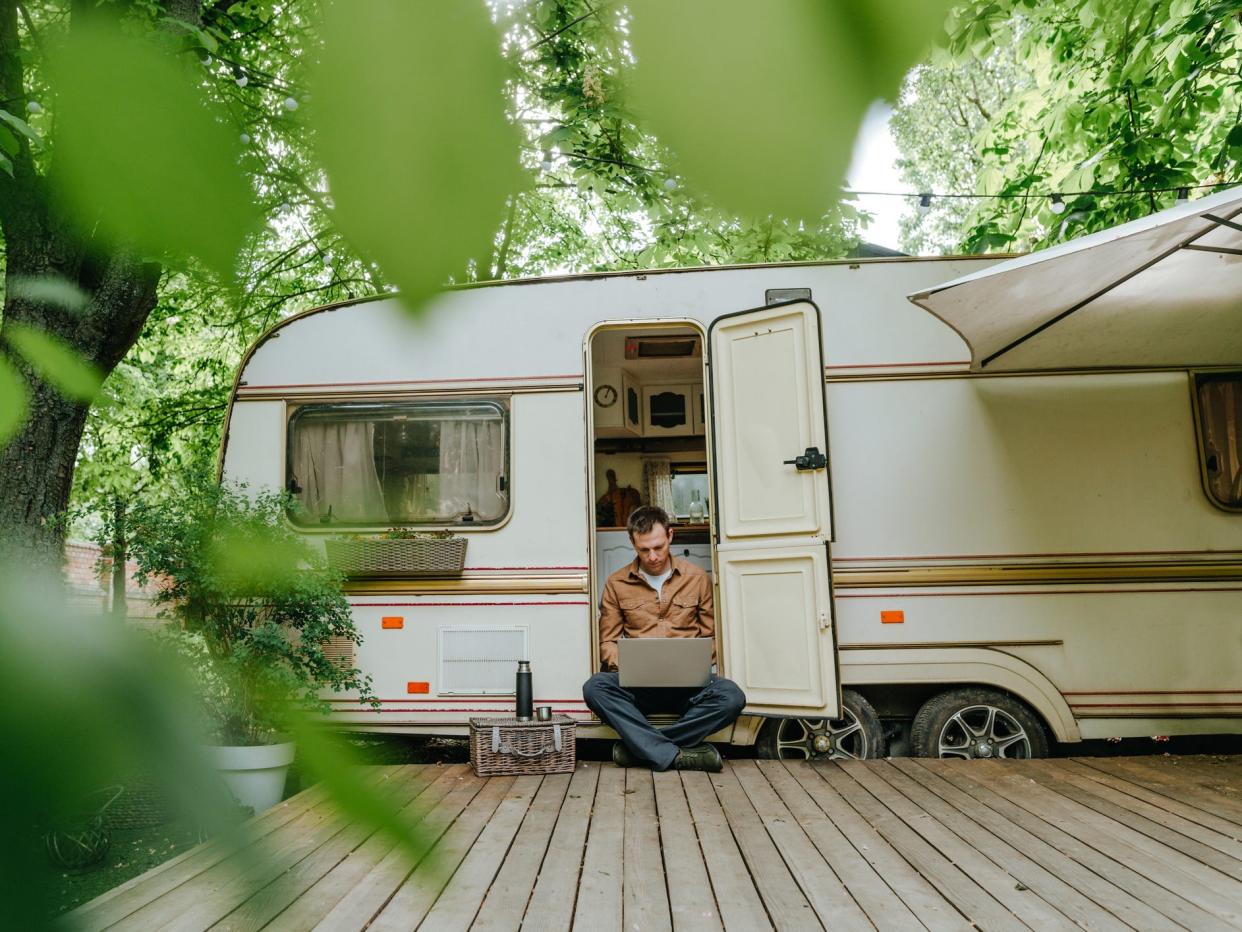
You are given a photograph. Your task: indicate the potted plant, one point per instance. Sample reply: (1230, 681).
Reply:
(253, 608)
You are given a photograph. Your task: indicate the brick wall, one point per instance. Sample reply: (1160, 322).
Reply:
(88, 584)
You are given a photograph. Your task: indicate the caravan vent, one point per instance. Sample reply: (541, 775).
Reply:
(663, 347)
(340, 651)
(480, 660)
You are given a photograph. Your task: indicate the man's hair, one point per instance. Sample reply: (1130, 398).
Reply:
(645, 518)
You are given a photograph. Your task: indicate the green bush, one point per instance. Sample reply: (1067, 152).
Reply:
(252, 607)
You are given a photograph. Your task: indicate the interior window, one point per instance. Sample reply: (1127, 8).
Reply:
(689, 486)
(399, 463)
(1220, 413)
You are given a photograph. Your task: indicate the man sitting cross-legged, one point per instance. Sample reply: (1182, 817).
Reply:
(659, 595)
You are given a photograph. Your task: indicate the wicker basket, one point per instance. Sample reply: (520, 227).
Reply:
(507, 747)
(408, 556)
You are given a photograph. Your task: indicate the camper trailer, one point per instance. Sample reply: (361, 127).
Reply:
(919, 544)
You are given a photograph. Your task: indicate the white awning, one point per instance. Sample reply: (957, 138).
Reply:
(1165, 290)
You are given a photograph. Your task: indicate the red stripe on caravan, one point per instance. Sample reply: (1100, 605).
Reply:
(1018, 556)
(1152, 705)
(896, 365)
(451, 604)
(1155, 692)
(964, 595)
(485, 381)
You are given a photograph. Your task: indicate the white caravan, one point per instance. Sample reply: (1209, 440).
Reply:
(913, 536)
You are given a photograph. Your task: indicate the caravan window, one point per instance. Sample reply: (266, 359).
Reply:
(385, 464)
(1220, 427)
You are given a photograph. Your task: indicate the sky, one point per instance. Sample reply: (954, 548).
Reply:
(874, 168)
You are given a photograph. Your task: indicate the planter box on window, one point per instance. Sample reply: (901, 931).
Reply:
(402, 557)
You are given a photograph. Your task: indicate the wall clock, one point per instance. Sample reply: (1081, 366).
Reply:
(605, 396)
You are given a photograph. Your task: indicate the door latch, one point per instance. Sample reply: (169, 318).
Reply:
(811, 459)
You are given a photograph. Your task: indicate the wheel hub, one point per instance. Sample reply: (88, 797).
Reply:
(983, 749)
(822, 744)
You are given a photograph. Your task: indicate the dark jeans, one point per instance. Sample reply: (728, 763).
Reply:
(702, 712)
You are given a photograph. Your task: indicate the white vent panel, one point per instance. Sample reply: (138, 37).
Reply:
(477, 660)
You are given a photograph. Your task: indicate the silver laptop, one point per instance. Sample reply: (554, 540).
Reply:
(665, 662)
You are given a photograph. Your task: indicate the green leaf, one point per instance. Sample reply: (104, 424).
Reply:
(21, 126)
(58, 292)
(142, 155)
(14, 400)
(419, 173)
(8, 142)
(6, 164)
(761, 102)
(56, 362)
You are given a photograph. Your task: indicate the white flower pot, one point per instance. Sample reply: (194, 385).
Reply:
(255, 775)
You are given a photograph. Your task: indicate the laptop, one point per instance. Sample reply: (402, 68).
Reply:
(665, 662)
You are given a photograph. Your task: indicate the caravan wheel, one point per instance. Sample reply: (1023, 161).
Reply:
(856, 735)
(977, 723)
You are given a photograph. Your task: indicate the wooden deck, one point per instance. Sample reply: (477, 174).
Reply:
(1096, 843)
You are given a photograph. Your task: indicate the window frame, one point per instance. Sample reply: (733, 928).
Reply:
(1197, 379)
(501, 402)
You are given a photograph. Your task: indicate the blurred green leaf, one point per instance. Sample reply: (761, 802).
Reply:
(58, 292)
(410, 124)
(6, 164)
(56, 362)
(13, 401)
(761, 102)
(21, 126)
(142, 155)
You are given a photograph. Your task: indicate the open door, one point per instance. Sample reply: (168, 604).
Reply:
(773, 509)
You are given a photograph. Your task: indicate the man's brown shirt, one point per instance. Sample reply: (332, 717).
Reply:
(630, 608)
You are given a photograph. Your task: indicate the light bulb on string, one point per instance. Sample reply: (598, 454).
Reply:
(291, 104)
(245, 139)
(1057, 206)
(547, 164)
(1183, 195)
(33, 106)
(670, 184)
(925, 200)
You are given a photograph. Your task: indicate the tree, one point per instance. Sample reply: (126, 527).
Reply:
(1111, 98)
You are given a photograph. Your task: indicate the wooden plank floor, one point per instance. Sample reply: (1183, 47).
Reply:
(1092, 843)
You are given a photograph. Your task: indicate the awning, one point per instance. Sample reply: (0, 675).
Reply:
(1165, 290)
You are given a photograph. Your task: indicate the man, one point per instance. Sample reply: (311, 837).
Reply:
(659, 595)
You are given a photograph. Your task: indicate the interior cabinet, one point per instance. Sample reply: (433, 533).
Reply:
(698, 410)
(668, 410)
(618, 405)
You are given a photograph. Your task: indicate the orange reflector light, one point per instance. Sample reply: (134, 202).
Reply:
(392, 621)
(893, 618)
(418, 687)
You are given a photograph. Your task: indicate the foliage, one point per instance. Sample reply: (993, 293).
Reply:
(1112, 97)
(256, 603)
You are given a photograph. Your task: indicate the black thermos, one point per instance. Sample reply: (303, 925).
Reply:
(525, 698)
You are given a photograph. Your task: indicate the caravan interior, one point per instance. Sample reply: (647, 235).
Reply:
(649, 438)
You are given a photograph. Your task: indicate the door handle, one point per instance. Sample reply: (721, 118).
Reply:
(811, 459)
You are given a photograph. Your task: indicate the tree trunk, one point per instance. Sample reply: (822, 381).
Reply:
(36, 466)
(120, 560)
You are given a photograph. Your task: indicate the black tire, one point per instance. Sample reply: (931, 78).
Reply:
(858, 732)
(975, 722)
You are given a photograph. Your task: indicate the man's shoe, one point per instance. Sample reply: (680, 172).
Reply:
(703, 757)
(622, 757)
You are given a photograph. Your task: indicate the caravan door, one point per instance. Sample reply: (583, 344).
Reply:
(773, 509)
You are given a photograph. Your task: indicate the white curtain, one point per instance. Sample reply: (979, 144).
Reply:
(334, 462)
(471, 458)
(658, 482)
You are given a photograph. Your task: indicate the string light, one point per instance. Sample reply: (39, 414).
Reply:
(1183, 195)
(1057, 206)
(291, 104)
(546, 164)
(670, 184)
(925, 200)
(33, 106)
